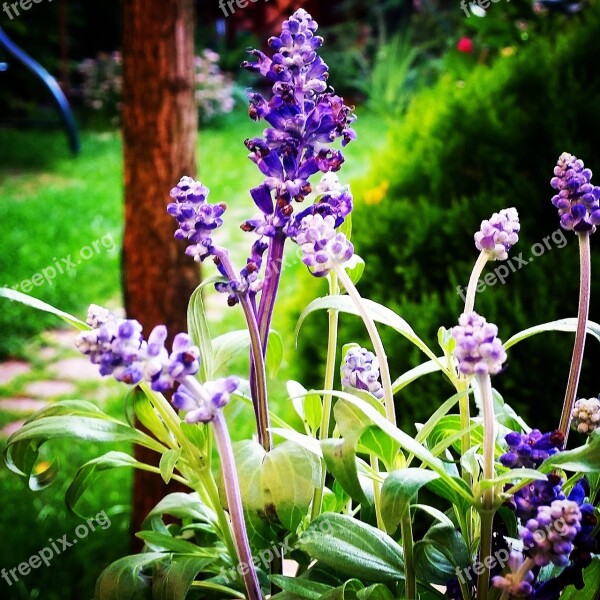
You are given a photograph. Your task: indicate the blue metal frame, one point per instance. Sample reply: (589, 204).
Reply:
(50, 83)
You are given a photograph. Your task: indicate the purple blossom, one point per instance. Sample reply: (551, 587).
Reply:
(478, 349)
(360, 370)
(322, 247)
(529, 498)
(577, 198)
(197, 218)
(304, 120)
(532, 449)
(549, 536)
(498, 234)
(201, 402)
(118, 347)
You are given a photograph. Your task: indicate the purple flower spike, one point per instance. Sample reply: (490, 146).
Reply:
(118, 347)
(478, 349)
(531, 450)
(577, 199)
(322, 247)
(498, 234)
(361, 371)
(197, 218)
(304, 119)
(549, 536)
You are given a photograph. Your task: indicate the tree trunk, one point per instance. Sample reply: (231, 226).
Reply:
(159, 142)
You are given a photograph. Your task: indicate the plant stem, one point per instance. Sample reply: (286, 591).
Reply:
(461, 385)
(407, 544)
(236, 511)
(327, 398)
(384, 368)
(474, 280)
(487, 511)
(258, 376)
(585, 275)
(377, 493)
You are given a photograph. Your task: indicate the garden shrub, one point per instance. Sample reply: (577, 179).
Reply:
(466, 149)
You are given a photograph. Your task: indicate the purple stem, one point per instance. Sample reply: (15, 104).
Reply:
(236, 511)
(258, 377)
(585, 275)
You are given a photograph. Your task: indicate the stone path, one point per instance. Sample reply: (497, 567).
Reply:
(29, 387)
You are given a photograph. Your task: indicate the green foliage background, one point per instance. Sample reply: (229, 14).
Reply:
(467, 147)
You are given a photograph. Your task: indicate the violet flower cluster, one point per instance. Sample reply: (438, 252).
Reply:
(119, 348)
(577, 199)
(360, 370)
(532, 449)
(499, 233)
(478, 349)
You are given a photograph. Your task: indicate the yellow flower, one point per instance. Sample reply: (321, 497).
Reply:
(377, 194)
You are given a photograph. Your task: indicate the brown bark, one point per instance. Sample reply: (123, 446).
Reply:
(159, 144)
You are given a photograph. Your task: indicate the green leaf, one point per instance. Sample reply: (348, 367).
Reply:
(274, 355)
(39, 305)
(161, 542)
(23, 446)
(290, 474)
(439, 553)
(353, 548)
(585, 459)
(399, 491)
(405, 441)
(355, 268)
(87, 473)
(378, 312)
(591, 579)
(435, 418)
(340, 458)
(147, 415)
(167, 463)
(182, 506)
(198, 328)
(568, 325)
(375, 592)
(313, 411)
(513, 474)
(346, 227)
(173, 580)
(228, 347)
(310, 443)
(346, 591)
(425, 368)
(124, 579)
(435, 513)
(302, 588)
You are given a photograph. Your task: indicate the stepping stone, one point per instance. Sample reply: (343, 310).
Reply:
(47, 354)
(50, 389)
(26, 405)
(12, 369)
(65, 338)
(9, 429)
(76, 369)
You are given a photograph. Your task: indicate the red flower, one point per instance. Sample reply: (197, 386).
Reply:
(465, 45)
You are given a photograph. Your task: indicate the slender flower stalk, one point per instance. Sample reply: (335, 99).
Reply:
(333, 318)
(585, 278)
(487, 513)
(386, 380)
(234, 502)
(482, 260)
(409, 566)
